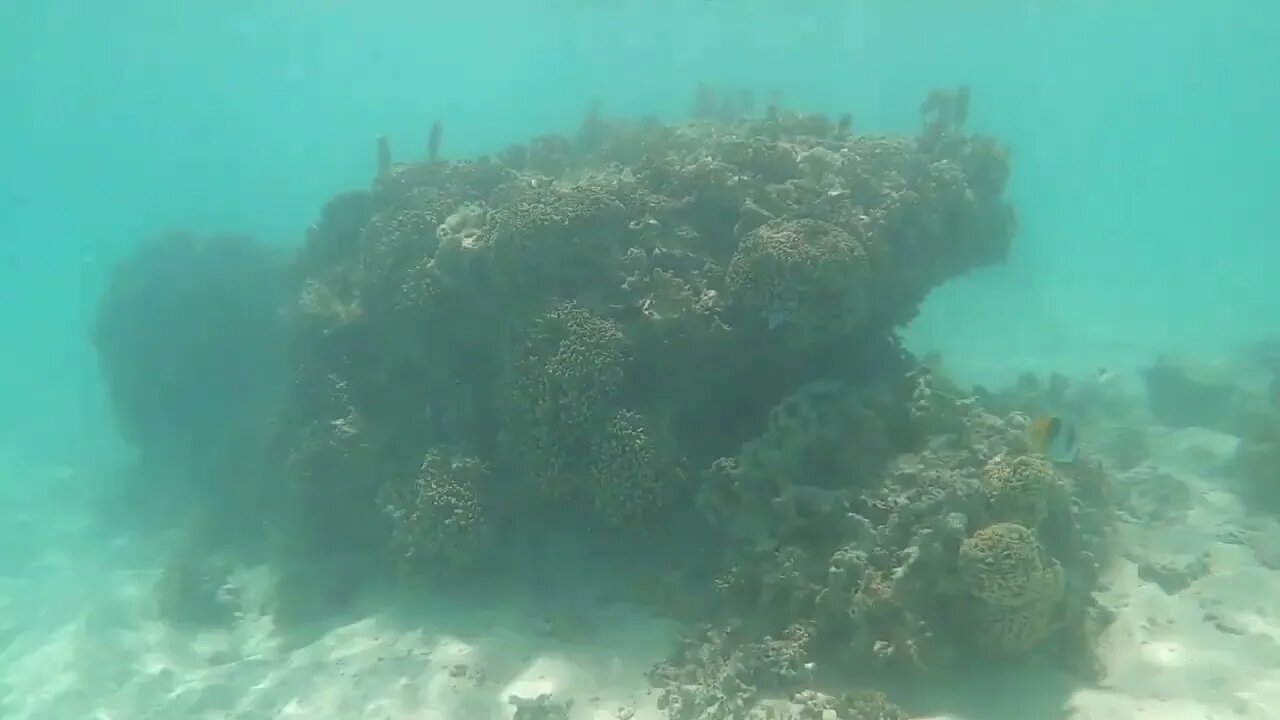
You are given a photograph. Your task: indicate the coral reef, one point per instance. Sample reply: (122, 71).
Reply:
(599, 328)
(190, 342)
(675, 337)
(437, 516)
(955, 531)
(187, 335)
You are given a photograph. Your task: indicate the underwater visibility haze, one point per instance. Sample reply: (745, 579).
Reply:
(700, 360)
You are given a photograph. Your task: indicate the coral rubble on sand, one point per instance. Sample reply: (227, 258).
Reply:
(683, 337)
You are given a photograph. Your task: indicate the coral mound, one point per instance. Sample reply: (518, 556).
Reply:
(1004, 564)
(681, 339)
(685, 334)
(187, 334)
(808, 274)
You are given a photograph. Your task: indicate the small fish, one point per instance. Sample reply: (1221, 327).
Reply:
(1054, 438)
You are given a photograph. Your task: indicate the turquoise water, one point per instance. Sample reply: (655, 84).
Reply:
(1143, 140)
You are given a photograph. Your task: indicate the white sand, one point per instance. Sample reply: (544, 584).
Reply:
(100, 653)
(79, 638)
(1212, 650)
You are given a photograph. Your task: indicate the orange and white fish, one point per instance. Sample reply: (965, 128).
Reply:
(1054, 438)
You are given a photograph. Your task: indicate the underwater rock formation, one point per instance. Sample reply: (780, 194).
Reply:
(961, 544)
(686, 332)
(597, 326)
(676, 338)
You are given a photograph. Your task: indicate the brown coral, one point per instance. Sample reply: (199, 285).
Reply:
(1020, 488)
(1014, 630)
(803, 274)
(551, 239)
(1004, 564)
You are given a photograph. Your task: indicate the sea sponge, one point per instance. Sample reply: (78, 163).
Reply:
(437, 517)
(1019, 488)
(806, 275)
(1004, 564)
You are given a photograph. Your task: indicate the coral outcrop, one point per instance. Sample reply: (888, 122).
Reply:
(681, 339)
(187, 335)
(190, 341)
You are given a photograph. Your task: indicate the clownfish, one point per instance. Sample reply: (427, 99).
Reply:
(1054, 438)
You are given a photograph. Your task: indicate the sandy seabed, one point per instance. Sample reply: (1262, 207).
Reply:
(1196, 636)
